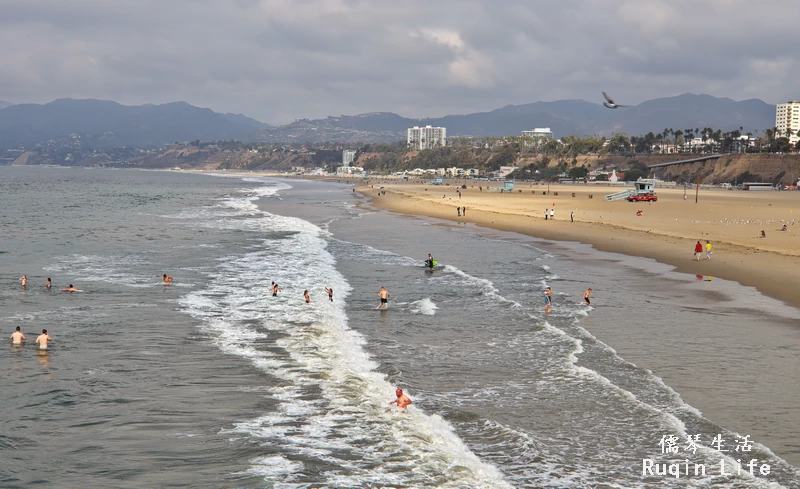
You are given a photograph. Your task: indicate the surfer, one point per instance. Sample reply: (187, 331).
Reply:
(402, 400)
(167, 279)
(43, 339)
(70, 289)
(548, 295)
(586, 296)
(330, 293)
(384, 295)
(305, 295)
(17, 337)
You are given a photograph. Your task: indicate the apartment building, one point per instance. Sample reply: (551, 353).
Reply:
(427, 137)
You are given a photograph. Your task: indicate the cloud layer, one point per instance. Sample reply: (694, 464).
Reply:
(278, 60)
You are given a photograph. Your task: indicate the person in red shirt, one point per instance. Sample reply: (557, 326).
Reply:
(698, 250)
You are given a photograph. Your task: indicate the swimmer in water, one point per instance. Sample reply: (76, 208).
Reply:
(275, 289)
(305, 295)
(17, 337)
(384, 295)
(70, 289)
(402, 400)
(330, 293)
(167, 279)
(43, 339)
(24, 280)
(586, 296)
(48, 284)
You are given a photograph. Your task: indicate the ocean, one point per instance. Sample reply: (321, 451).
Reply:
(211, 382)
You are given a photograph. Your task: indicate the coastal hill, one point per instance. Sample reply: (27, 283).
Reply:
(105, 124)
(563, 117)
(3, 104)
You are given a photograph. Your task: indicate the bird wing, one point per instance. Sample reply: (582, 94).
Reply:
(608, 98)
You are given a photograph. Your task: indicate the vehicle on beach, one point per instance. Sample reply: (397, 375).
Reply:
(644, 192)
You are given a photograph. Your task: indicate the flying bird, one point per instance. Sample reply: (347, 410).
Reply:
(610, 103)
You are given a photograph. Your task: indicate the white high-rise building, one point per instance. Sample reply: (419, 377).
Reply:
(787, 117)
(348, 156)
(427, 137)
(539, 133)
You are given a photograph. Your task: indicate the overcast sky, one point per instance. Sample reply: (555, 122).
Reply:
(279, 60)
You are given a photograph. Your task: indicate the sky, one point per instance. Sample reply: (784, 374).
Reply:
(280, 60)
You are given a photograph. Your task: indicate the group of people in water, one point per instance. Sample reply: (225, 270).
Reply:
(17, 338)
(48, 284)
(306, 296)
(548, 298)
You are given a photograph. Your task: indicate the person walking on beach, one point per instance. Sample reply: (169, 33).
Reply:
(586, 296)
(545, 214)
(708, 250)
(402, 400)
(548, 297)
(306, 297)
(43, 339)
(24, 280)
(330, 293)
(698, 250)
(571, 216)
(384, 295)
(167, 279)
(17, 337)
(464, 211)
(552, 213)
(458, 209)
(275, 289)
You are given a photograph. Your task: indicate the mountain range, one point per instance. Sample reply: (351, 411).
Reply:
(108, 124)
(563, 117)
(105, 124)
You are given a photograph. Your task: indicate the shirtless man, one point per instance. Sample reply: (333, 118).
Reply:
(548, 297)
(24, 280)
(275, 289)
(330, 293)
(167, 279)
(384, 295)
(43, 339)
(305, 295)
(70, 289)
(586, 296)
(17, 337)
(402, 400)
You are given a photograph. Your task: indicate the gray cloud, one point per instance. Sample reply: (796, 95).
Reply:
(278, 60)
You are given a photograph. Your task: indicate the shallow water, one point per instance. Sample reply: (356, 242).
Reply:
(212, 382)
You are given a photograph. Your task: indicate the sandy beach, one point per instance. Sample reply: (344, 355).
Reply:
(666, 231)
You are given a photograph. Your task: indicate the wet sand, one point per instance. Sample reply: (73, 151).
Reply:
(667, 231)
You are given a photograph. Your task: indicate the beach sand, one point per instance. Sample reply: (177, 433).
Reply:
(667, 231)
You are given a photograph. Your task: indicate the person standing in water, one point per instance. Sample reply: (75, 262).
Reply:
(548, 298)
(17, 337)
(167, 279)
(402, 400)
(43, 339)
(384, 295)
(48, 284)
(306, 297)
(330, 293)
(586, 296)
(275, 289)
(24, 280)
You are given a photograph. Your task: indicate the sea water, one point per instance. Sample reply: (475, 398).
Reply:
(213, 382)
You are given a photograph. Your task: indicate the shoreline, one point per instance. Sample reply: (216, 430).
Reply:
(774, 272)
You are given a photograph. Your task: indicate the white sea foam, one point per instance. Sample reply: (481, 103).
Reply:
(424, 306)
(310, 347)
